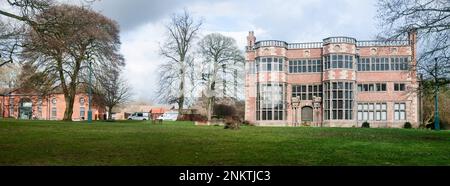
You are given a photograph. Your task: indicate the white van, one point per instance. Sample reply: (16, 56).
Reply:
(139, 116)
(169, 116)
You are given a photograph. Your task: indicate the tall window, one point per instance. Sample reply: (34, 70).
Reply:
(338, 61)
(400, 111)
(364, 64)
(53, 115)
(270, 102)
(82, 109)
(306, 92)
(305, 66)
(338, 101)
(269, 64)
(11, 107)
(372, 112)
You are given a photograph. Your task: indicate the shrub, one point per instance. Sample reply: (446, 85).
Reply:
(222, 110)
(247, 123)
(306, 124)
(231, 123)
(407, 125)
(365, 125)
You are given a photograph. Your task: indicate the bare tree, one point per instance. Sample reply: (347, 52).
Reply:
(9, 76)
(113, 89)
(27, 10)
(182, 30)
(10, 34)
(24, 15)
(431, 19)
(8, 47)
(9, 42)
(221, 58)
(31, 79)
(73, 37)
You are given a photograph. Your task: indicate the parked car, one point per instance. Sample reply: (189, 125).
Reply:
(139, 116)
(169, 116)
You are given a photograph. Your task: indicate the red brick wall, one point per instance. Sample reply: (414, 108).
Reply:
(47, 106)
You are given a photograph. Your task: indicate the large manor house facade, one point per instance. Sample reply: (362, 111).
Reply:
(339, 82)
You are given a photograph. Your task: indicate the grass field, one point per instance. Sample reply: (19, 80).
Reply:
(182, 143)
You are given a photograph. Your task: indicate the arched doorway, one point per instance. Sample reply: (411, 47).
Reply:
(307, 114)
(25, 108)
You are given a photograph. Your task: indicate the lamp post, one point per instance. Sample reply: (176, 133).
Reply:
(90, 93)
(436, 96)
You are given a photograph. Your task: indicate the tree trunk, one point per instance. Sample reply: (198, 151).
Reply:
(212, 91)
(181, 96)
(70, 99)
(110, 113)
(210, 107)
(70, 94)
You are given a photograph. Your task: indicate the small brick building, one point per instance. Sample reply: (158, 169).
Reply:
(339, 82)
(31, 105)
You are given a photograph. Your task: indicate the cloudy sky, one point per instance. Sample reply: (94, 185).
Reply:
(142, 26)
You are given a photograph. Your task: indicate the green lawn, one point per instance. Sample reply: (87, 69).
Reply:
(182, 143)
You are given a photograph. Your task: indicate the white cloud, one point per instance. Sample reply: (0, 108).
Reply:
(141, 51)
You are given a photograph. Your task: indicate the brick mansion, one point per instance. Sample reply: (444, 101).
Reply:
(339, 82)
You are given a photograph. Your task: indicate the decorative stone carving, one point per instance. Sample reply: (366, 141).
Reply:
(373, 51)
(394, 50)
(337, 48)
(343, 74)
(307, 53)
(266, 52)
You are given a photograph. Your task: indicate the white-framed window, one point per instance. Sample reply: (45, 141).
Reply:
(334, 61)
(305, 65)
(11, 107)
(396, 63)
(399, 87)
(400, 111)
(82, 113)
(269, 64)
(306, 92)
(270, 101)
(54, 111)
(338, 100)
(372, 112)
(372, 87)
(82, 109)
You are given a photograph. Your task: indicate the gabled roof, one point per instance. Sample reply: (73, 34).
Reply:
(158, 110)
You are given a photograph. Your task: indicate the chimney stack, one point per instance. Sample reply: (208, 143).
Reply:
(251, 39)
